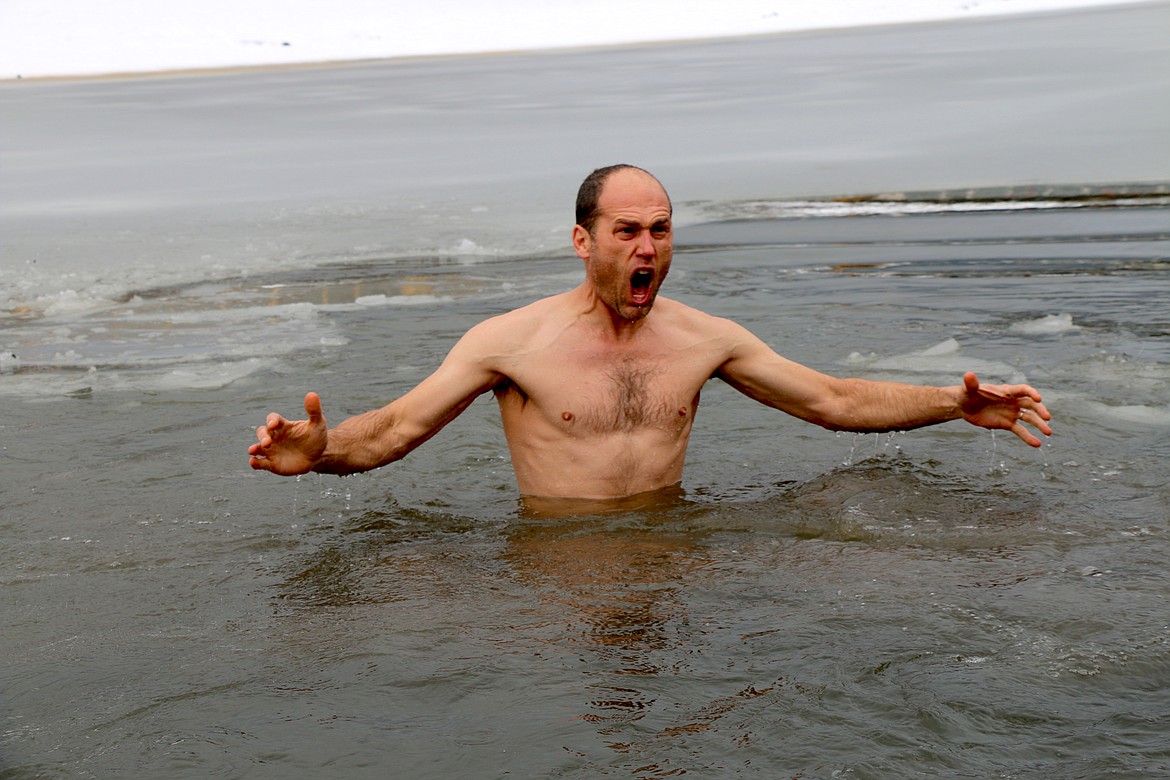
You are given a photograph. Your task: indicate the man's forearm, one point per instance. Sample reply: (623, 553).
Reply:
(867, 406)
(361, 443)
(368, 441)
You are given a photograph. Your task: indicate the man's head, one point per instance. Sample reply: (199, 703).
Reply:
(624, 235)
(589, 194)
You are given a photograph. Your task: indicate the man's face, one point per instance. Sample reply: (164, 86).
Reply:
(628, 253)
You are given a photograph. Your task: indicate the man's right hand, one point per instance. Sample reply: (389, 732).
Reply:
(288, 447)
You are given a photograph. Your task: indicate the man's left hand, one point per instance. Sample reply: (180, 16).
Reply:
(1007, 407)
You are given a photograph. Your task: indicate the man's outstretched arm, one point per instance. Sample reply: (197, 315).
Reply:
(867, 406)
(376, 438)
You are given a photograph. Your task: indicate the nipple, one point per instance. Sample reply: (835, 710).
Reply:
(682, 411)
(567, 416)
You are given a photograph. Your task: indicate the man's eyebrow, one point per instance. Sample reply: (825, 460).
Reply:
(636, 221)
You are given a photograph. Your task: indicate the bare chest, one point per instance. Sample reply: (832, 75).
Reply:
(598, 392)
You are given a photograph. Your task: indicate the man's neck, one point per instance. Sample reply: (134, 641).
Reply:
(611, 325)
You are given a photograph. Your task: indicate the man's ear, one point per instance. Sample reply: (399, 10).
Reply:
(582, 242)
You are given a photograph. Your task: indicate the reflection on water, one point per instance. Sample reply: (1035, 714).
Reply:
(606, 586)
(647, 599)
(617, 584)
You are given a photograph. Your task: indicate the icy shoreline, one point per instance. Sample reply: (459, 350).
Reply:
(73, 38)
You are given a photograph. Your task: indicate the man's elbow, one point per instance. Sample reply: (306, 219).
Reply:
(833, 409)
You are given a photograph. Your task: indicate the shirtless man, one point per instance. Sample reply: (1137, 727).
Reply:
(598, 386)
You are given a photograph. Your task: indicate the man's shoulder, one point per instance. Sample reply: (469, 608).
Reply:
(526, 316)
(516, 326)
(708, 334)
(683, 315)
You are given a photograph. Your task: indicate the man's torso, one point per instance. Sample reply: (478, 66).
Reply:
(588, 416)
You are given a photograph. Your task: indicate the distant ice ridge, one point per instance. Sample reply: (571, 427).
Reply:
(911, 204)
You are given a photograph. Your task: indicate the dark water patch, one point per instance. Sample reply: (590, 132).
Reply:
(887, 502)
(376, 556)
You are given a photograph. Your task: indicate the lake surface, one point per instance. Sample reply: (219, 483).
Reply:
(945, 601)
(940, 603)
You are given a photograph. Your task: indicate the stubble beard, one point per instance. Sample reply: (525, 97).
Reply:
(617, 301)
(635, 312)
(612, 288)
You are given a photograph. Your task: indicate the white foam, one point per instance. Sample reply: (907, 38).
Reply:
(1131, 413)
(70, 301)
(1051, 324)
(300, 311)
(469, 247)
(398, 300)
(77, 287)
(210, 376)
(52, 385)
(1118, 375)
(154, 346)
(948, 347)
(941, 359)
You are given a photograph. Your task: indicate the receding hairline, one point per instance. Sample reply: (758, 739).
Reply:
(593, 187)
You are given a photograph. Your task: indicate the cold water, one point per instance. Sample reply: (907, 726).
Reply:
(944, 602)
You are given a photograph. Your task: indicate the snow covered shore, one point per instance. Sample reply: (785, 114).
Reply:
(83, 38)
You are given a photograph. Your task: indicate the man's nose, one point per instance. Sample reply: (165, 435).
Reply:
(646, 246)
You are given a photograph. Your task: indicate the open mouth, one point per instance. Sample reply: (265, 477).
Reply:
(640, 284)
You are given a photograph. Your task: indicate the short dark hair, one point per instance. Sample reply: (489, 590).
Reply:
(590, 192)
